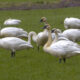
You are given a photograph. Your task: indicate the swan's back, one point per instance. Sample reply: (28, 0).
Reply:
(72, 23)
(72, 34)
(59, 35)
(64, 48)
(13, 32)
(11, 22)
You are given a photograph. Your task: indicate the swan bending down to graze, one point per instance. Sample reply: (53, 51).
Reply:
(61, 48)
(14, 43)
(12, 22)
(72, 23)
(13, 32)
(41, 38)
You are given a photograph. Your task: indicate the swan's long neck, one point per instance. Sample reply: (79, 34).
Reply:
(56, 38)
(49, 39)
(45, 22)
(45, 31)
(34, 36)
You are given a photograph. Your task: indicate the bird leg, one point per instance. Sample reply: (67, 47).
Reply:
(12, 54)
(64, 59)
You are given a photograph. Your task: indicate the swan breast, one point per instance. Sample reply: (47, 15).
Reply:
(64, 48)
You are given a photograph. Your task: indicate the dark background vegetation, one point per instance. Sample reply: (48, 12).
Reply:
(27, 5)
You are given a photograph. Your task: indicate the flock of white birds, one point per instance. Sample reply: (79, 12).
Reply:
(60, 44)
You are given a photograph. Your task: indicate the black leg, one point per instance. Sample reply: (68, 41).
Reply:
(64, 59)
(12, 54)
(60, 60)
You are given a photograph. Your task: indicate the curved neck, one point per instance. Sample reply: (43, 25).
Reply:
(49, 39)
(33, 34)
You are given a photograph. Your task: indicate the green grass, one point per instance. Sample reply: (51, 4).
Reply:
(31, 64)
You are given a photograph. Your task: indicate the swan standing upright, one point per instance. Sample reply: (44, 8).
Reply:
(14, 43)
(40, 39)
(62, 48)
(13, 32)
(12, 22)
(72, 23)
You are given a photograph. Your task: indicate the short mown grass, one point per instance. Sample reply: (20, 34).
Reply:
(31, 64)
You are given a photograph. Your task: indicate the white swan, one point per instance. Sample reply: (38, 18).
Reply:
(12, 22)
(41, 38)
(59, 33)
(13, 32)
(44, 19)
(72, 34)
(62, 48)
(72, 23)
(14, 43)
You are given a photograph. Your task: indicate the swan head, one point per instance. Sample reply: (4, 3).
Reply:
(57, 30)
(47, 26)
(43, 19)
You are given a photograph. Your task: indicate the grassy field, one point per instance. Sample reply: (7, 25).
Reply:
(34, 65)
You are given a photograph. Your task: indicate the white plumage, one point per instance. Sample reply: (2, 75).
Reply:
(12, 22)
(40, 38)
(60, 48)
(72, 23)
(59, 33)
(72, 34)
(13, 32)
(14, 43)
